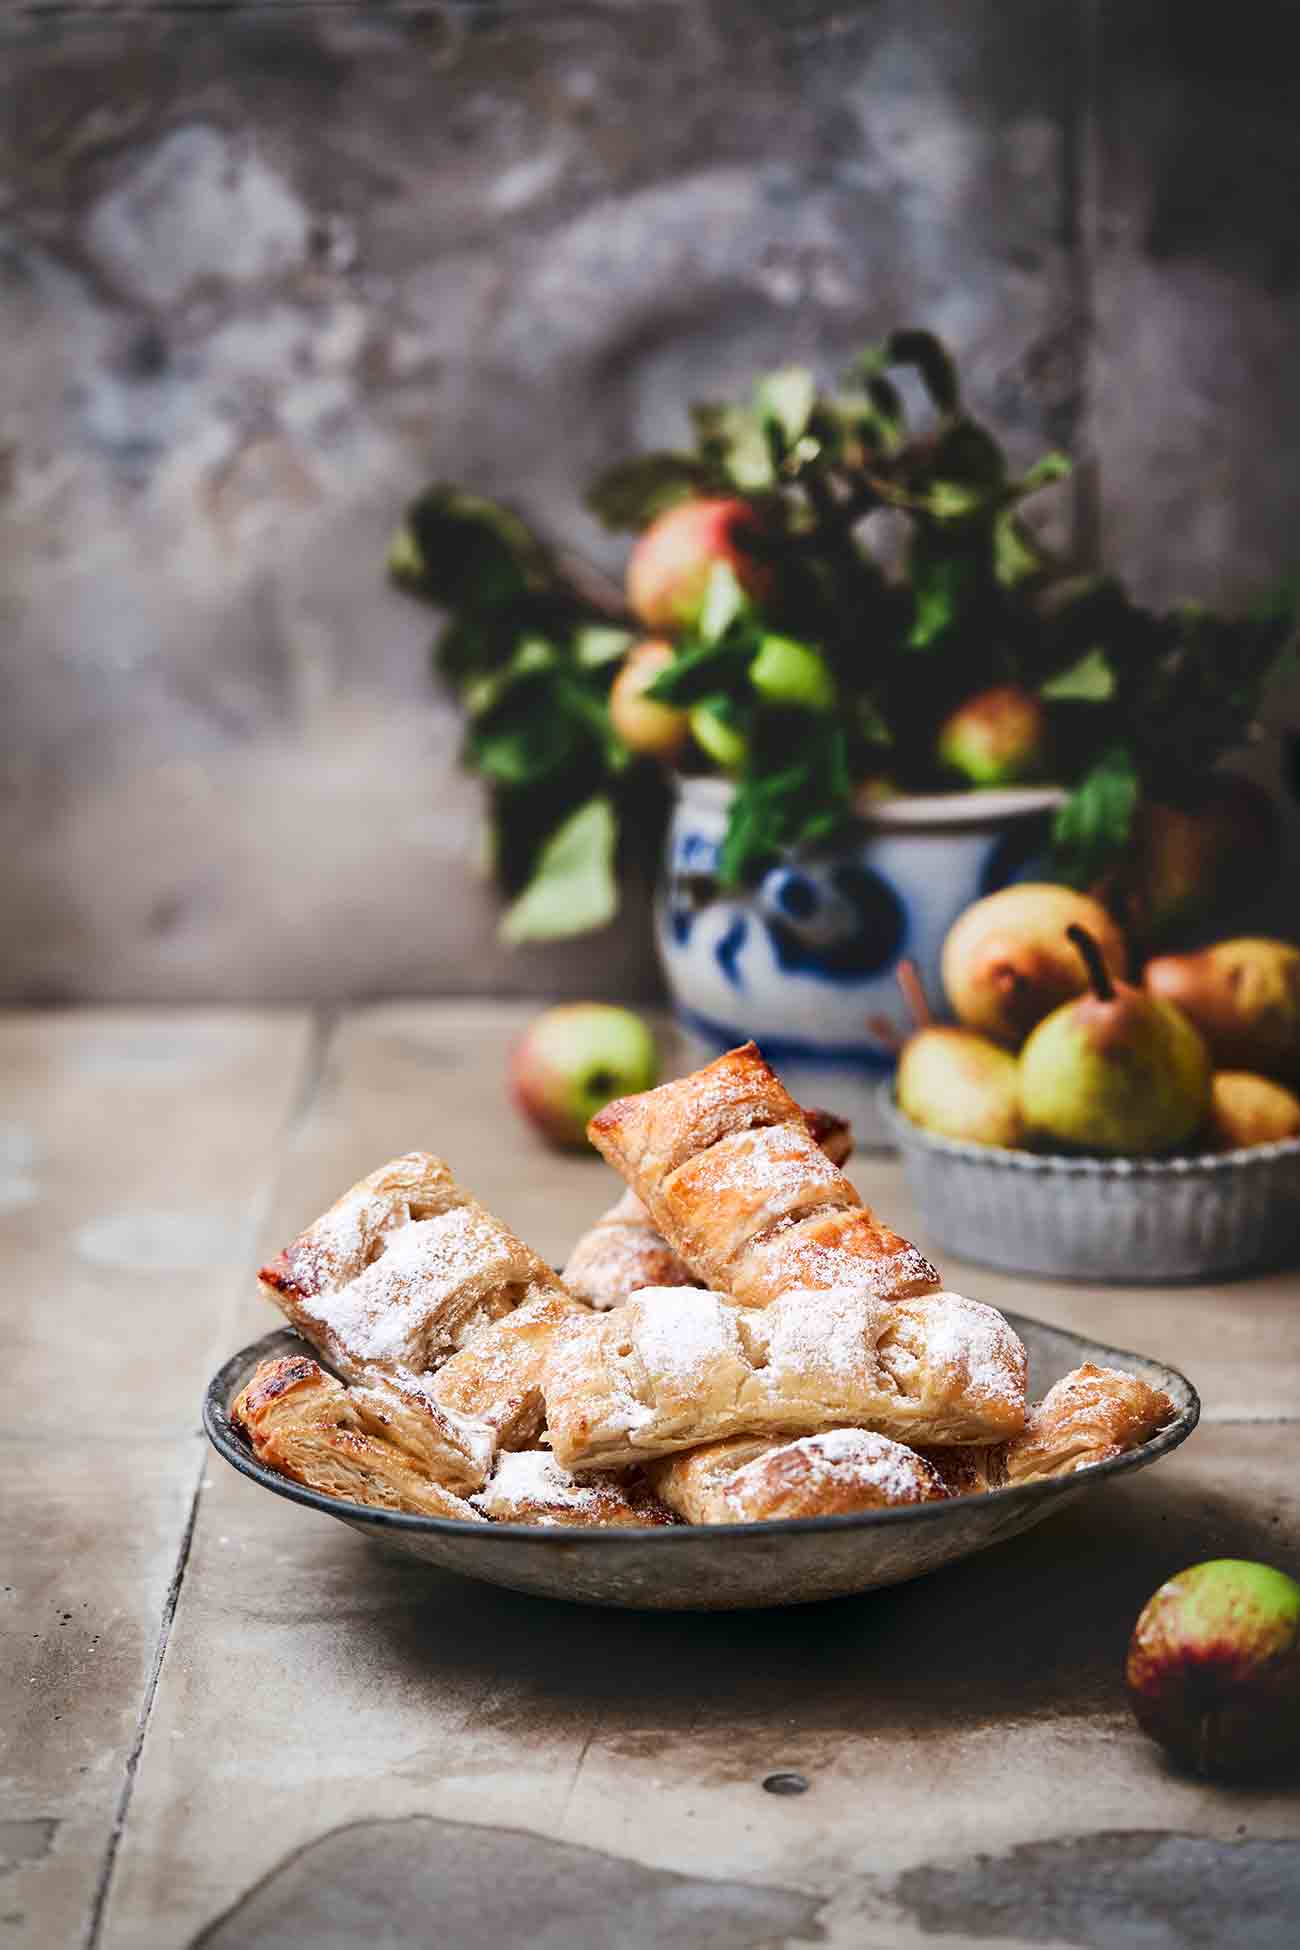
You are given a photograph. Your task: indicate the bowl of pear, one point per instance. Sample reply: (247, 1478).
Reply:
(1079, 1124)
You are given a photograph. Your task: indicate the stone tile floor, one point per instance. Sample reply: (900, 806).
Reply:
(233, 1722)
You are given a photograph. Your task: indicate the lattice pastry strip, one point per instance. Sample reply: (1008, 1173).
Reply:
(733, 1177)
(1091, 1415)
(752, 1479)
(308, 1426)
(622, 1252)
(402, 1271)
(678, 1366)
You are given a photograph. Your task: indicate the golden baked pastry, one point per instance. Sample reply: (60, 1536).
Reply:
(622, 1252)
(497, 1379)
(732, 1175)
(678, 1366)
(749, 1479)
(529, 1486)
(404, 1269)
(1089, 1416)
(304, 1423)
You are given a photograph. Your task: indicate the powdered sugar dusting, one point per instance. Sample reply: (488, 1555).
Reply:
(976, 1342)
(838, 1459)
(680, 1332)
(378, 1316)
(335, 1247)
(615, 1258)
(525, 1478)
(830, 1334)
(778, 1160)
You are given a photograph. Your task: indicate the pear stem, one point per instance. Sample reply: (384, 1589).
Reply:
(914, 995)
(1098, 973)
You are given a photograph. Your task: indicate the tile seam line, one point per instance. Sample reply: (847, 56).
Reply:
(321, 1035)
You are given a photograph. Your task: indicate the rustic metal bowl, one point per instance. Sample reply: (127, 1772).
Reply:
(722, 1567)
(1126, 1220)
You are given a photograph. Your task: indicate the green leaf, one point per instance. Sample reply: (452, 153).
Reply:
(534, 654)
(703, 669)
(476, 642)
(801, 801)
(598, 644)
(927, 355)
(873, 727)
(573, 888)
(940, 587)
(953, 500)
(735, 440)
(784, 401)
(1053, 466)
(631, 494)
(457, 549)
(724, 601)
(1095, 824)
(514, 746)
(1016, 556)
(1091, 679)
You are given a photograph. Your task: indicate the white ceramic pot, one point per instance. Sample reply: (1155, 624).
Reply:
(806, 962)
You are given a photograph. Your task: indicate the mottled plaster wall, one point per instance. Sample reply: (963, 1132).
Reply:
(264, 269)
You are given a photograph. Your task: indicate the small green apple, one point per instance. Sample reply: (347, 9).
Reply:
(572, 1060)
(788, 672)
(1214, 1667)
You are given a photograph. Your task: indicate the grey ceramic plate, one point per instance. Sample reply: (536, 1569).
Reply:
(718, 1567)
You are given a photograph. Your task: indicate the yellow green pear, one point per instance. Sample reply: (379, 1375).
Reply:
(960, 1085)
(1116, 1070)
(1246, 1110)
(1243, 996)
(1007, 962)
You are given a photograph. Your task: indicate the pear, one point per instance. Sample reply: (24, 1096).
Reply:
(1246, 1110)
(1244, 997)
(960, 1085)
(1116, 1070)
(1007, 962)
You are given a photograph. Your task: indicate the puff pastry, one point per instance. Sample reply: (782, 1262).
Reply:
(749, 1479)
(733, 1177)
(529, 1486)
(496, 1382)
(678, 1366)
(402, 1271)
(622, 1251)
(1089, 1416)
(304, 1423)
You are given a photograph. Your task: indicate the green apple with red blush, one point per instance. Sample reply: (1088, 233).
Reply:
(1214, 1668)
(574, 1059)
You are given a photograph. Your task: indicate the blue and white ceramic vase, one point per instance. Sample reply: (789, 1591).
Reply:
(806, 963)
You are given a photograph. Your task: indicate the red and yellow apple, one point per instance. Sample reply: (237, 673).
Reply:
(570, 1062)
(670, 566)
(998, 737)
(643, 723)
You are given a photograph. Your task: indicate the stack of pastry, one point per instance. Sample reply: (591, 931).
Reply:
(737, 1339)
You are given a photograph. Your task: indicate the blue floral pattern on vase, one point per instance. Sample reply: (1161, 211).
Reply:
(806, 963)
